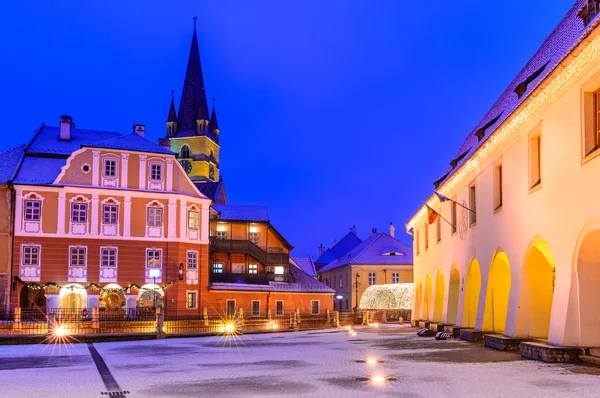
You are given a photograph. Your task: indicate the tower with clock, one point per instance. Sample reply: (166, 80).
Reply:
(193, 134)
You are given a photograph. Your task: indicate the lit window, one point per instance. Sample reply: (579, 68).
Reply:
(315, 306)
(155, 216)
(279, 307)
(217, 268)
(153, 258)
(472, 205)
(497, 187)
(193, 219)
(110, 214)
(395, 277)
(33, 210)
(535, 161)
(253, 268)
(254, 237)
(110, 168)
(78, 257)
(108, 257)
(255, 308)
(372, 278)
(222, 235)
(192, 259)
(31, 255)
(156, 172)
(191, 300)
(279, 270)
(79, 212)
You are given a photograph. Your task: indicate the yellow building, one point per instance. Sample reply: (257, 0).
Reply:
(378, 260)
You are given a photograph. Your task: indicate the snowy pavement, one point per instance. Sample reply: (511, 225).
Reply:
(325, 363)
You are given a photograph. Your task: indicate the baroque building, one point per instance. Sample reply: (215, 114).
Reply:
(519, 256)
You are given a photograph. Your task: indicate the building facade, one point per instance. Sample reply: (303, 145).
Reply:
(378, 260)
(106, 220)
(520, 254)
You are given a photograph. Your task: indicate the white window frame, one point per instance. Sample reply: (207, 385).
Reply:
(73, 266)
(148, 267)
(154, 214)
(114, 267)
(190, 218)
(79, 211)
(187, 302)
(253, 267)
(195, 258)
(254, 237)
(110, 212)
(282, 308)
(38, 266)
(395, 277)
(221, 268)
(312, 310)
(115, 172)
(222, 235)
(151, 172)
(32, 210)
(252, 308)
(372, 278)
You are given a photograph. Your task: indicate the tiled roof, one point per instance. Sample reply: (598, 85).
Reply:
(130, 142)
(39, 170)
(306, 264)
(9, 162)
(47, 140)
(376, 250)
(242, 213)
(340, 249)
(301, 283)
(561, 41)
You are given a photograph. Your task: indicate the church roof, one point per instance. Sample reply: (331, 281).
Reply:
(306, 264)
(569, 32)
(378, 249)
(172, 113)
(341, 248)
(130, 142)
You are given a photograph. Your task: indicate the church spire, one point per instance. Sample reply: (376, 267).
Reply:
(213, 126)
(172, 118)
(193, 107)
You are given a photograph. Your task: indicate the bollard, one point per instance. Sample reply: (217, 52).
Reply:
(240, 321)
(336, 319)
(51, 323)
(298, 315)
(160, 334)
(205, 316)
(328, 316)
(95, 324)
(17, 323)
(293, 320)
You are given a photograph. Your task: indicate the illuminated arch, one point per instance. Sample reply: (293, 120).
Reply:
(453, 291)
(72, 296)
(418, 300)
(397, 296)
(471, 299)
(497, 294)
(427, 298)
(587, 263)
(438, 305)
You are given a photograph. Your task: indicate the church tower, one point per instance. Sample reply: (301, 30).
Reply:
(193, 134)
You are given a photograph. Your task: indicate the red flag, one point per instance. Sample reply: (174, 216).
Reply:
(431, 215)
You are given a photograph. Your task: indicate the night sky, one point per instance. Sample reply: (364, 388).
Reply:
(332, 113)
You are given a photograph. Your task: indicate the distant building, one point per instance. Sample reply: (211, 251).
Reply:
(378, 260)
(520, 253)
(338, 250)
(306, 264)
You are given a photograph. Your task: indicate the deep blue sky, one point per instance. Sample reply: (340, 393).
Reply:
(332, 113)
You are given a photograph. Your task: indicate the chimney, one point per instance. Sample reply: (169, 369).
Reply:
(353, 229)
(139, 129)
(65, 127)
(373, 231)
(392, 229)
(321, 250)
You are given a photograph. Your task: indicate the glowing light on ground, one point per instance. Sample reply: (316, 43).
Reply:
(377, 379)
(60, 331)
(229, 328)
(371, 361)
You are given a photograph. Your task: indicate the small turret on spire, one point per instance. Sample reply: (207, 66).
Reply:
(213, 126)
(172, 118)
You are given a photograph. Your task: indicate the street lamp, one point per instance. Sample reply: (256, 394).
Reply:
(356, 284)
(339, 298)
(154, 273)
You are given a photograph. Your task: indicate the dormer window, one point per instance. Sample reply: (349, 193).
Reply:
(589, 11)
(156, 172)
(393, 254)
(110, 168)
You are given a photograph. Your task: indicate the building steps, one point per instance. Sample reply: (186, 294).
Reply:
(591, 359)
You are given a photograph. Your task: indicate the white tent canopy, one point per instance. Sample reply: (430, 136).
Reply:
(397, 296)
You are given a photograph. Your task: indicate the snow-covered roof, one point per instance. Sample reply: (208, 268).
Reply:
(39, 170)
(340, 249)
(10, 161)
(242, 213)
(131, 142)
(306, 264)
(47, 140)
(378, 249)
(397, 296)
(301, 283)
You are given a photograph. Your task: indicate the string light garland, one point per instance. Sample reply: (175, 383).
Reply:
(574, 69)
(397, 296)
(35, 286)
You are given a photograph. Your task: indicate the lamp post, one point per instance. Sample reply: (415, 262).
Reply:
(154, 273)
(356, 284)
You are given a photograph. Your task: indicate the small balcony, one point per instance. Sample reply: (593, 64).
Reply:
(250, 279)
(247, 247)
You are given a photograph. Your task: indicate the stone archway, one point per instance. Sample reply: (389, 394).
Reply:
(588, 280)
(497, 294)
(427, 298)
(471, 299)
(418, 300)
(537, 291)
(438, 305)
(453, 292)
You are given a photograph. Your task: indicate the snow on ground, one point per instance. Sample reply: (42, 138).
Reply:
(310, 364)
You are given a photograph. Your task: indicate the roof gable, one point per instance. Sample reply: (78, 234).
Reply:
(305, 264)
(130, 142)
(341, 248)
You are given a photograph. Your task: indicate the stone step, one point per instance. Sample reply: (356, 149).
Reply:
(593, 360)
(595, 352)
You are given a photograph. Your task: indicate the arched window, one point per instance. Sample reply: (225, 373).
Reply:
(185, 152)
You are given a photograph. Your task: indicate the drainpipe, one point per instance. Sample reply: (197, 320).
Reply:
(11, 283)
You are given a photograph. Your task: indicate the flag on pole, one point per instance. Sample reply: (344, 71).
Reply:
(431, 215)
(442, 197)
